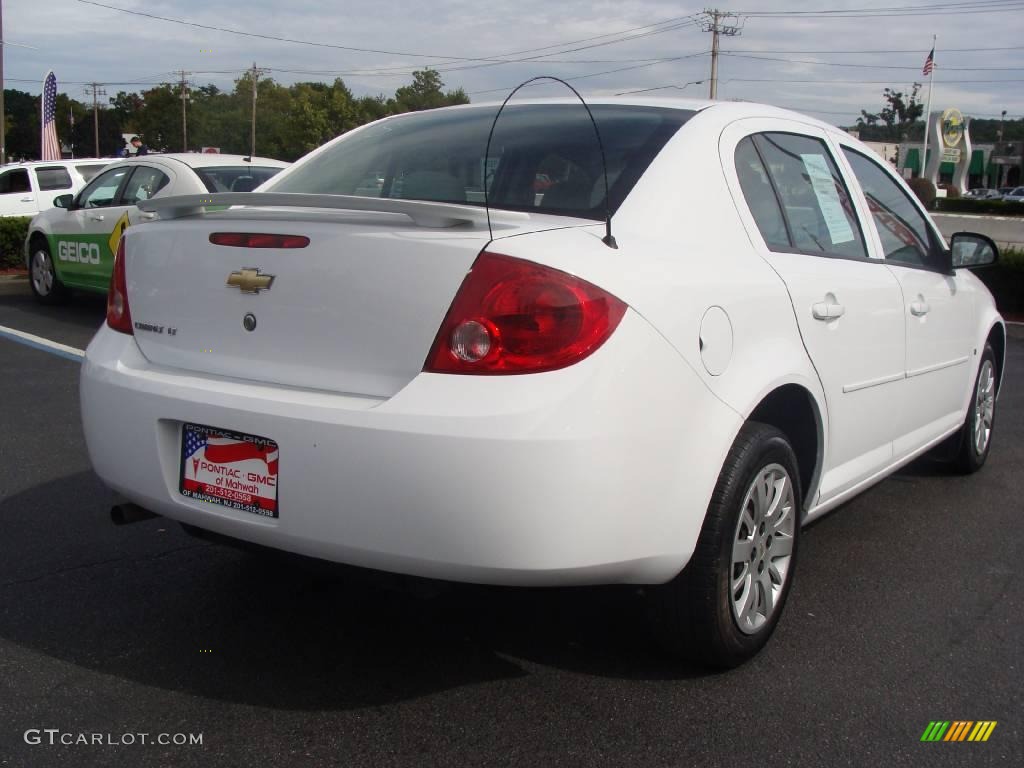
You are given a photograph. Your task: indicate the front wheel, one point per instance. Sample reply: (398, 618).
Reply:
(975, 437)
(724, 606)
(46, 286)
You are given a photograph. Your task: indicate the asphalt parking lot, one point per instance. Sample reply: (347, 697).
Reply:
(907, 608)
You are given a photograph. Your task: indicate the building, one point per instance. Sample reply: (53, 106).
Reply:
(992, 165)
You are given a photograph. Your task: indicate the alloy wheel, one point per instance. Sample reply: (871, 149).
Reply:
(762, 548)
(984, 407)
(42, 273)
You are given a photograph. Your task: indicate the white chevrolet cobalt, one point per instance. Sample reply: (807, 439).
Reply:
(720, 322)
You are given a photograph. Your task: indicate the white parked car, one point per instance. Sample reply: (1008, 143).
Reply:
(72, 245)
(1015, 195)
(28, 188)
(410, 380)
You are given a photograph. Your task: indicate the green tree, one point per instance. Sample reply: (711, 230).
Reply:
(897, 119)
(425, 92)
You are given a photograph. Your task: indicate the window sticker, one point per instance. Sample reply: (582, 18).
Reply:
(824, 185)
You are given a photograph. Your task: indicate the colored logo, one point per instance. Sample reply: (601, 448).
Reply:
(249, 280)
(952, 127)
(119, 228)
(958, 730)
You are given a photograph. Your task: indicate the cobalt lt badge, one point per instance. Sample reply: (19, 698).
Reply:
(249, 280)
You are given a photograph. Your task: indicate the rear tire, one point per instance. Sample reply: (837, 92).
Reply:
(724, 606)
(42, 275)
(975, 437)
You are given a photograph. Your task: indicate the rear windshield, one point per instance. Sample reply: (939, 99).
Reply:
(543, 157)
(234, 178)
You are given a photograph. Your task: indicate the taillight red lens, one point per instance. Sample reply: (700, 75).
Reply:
(119, 316)
(514, 316)
(258, 240)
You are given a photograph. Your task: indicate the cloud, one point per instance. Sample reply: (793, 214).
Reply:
(83, 42)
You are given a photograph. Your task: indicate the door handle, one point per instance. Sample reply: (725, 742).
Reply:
(827, 310)
(27, 199)
(96, 217)
(149, 215)
(920, 308)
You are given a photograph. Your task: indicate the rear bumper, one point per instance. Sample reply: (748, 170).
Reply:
(598, 473)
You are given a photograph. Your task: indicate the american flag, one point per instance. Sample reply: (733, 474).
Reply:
(51, 147)
(929, 64)
(226, 450)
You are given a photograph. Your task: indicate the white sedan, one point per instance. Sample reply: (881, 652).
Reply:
(717, 325)
(72, 245)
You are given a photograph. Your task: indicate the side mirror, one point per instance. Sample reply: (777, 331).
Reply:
(972, 250)
(63, 201)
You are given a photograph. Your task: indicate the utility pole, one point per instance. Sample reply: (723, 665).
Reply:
(255, 73)
(3, 120)
(94, 90)
(184, 102)
(998, 173)
(719, 23)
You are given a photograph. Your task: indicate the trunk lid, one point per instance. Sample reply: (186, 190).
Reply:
(355, 311)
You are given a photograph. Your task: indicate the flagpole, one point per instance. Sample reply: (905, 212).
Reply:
(928, 112)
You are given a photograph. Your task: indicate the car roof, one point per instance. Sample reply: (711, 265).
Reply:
(724, 111)
(206, 160)
(64, 161)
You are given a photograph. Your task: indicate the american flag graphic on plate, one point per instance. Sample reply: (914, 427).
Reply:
(50, 144)
(229, 468)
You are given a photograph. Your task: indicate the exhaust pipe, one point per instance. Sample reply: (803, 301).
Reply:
(127, 513)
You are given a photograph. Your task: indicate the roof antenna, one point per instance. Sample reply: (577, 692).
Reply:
(607, 239)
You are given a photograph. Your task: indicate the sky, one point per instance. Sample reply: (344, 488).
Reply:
(827, 58)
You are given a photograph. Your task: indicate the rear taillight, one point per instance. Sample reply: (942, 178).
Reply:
(514, 316)
(119, 316)
(258, 240)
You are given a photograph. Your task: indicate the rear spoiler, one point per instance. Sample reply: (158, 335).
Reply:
(424, 213)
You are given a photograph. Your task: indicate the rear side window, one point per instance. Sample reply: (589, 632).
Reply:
(15, 180)
(814, 199)
(902, 228)
(542, 157)
(144, 183)
(56, 177)
(234, 178)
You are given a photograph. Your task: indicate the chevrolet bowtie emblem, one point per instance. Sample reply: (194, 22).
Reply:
(249, 280)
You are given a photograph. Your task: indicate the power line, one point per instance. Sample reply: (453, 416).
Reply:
(868, 66)
(684, 21)
(930, 9)
(853, 82)
(506, 89)
(986, 49)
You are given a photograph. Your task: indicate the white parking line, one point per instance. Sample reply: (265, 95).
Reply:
(45, 345)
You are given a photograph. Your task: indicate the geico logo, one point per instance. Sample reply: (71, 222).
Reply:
(84, 253)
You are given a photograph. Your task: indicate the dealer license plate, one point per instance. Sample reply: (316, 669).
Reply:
(229, 468)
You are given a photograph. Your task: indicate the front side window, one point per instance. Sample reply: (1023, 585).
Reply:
(902, 228)
(56, 177)
(814, 198)
(101, 191)
(144, 183)
(542, 157)
(14, 181)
